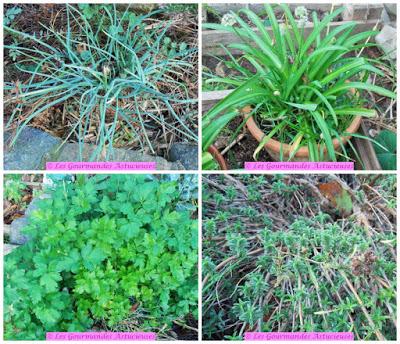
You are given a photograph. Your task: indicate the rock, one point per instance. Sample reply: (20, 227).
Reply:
(348, 12)
(16, 237)
(391, 10)
(385, 18)
(50, 180)
(361, 11)
(386, 39)
(204, 15)
(34, 205)
(186, 154)
(70, 152)
(8, 248)
(6, 229)
(30, 149)
(14, 230)
(35, 147)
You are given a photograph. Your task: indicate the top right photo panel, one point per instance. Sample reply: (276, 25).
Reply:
(299, 85)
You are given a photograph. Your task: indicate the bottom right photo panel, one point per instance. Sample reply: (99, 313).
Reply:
(299, 253)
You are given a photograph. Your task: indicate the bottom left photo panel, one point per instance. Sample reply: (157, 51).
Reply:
(87, 253)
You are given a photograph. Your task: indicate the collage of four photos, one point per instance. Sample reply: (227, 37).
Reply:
(199, 171)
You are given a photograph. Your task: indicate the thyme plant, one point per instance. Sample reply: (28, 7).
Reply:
(289, 263)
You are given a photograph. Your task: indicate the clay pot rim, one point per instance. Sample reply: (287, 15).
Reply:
(218, 157)
(302, 152)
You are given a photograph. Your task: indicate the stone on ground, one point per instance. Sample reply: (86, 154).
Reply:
(16, 236)
(30, 149)
(386, 39)
(8, 248)
(185, 153)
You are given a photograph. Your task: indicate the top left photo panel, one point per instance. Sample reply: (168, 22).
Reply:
(100, 83)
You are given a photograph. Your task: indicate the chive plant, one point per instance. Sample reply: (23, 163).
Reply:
(292, 265)
(110, 70)
(305, 87)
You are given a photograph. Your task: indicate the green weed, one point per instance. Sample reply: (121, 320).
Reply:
(98, 247)
(14, 187)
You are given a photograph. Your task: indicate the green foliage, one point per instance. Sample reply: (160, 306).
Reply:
(344, 202)
(13, 187)
(211, 10)
(170, 48)
(283, 189)
(208, 162)
(179, 8)
(388, 185)
(97, 247)
(113, 66)
(11, 14)
(280, 263)
(231, 193)
(386, 149)
(94, 12)
(247, 312)
(308, 88)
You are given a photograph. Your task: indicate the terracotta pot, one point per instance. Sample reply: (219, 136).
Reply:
(218, 157)
(273, 147)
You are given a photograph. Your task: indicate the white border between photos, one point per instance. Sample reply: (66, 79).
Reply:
(199, 172)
